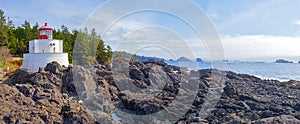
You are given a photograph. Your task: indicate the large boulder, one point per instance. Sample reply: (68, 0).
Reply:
(54, 67)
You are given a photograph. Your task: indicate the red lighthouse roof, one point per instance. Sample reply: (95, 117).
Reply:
(46, 32)
(46, 27)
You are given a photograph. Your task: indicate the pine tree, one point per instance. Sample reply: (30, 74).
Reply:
(3, 30)
(19, 34)
(81, 50)
(26, 36)
(109, 54)
(12, 40)
(66, 37)
(72, 44)
(27, 31)
(35, 31)
(100, 53)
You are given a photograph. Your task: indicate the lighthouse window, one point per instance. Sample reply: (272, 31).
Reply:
(47, 33)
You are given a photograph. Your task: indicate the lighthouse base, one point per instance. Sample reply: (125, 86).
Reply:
(33, 61)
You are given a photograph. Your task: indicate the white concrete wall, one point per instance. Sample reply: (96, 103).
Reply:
(31, 46)
(43, 46)
(32, 62)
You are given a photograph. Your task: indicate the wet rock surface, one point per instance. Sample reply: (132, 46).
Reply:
(133, 90)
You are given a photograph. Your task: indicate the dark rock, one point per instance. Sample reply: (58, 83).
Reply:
(26, 89)
(54, 67)
(142, 88)
(283, 119)
(38, 98)
(230, 91)
(266, 114)
(168, 69)
(220, 112)
(135, 73)
(297, 107)
(20, 76)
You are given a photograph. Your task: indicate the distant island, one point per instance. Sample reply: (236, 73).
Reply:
(135, 56)
(183, 59)
(225, 60)
(283, 61)
(145, 58)
(199, 60)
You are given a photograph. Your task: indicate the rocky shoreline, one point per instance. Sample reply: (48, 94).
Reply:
(92, 94)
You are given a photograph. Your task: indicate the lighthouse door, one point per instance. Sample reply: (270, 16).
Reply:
(54, 49)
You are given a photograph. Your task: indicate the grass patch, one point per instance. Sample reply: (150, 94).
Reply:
(11, 65)
(2, 64)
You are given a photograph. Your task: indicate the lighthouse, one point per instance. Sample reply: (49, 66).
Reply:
(44, 50)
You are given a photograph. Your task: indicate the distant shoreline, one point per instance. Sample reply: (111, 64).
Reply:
(264, 70)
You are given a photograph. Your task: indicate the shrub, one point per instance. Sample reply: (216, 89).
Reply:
(11, 65)
(4, 53)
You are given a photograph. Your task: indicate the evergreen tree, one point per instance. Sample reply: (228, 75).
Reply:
(100, 53)
(19, 34)
(67, 38)
(28, 34)
(94, 40)
(72, 43)
(12, 40)
(3, 30)
(35, 31)
(109, 53)
(81, 50)
(10, 24)
(13, 44)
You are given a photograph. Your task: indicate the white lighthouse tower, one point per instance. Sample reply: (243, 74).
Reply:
(44, 50)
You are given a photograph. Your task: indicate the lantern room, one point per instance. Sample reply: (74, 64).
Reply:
(46, 32)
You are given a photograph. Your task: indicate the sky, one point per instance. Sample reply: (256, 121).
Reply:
(249, 30)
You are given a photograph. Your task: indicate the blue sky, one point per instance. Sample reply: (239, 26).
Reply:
(71, 13)
(271, 17)
(250, 29)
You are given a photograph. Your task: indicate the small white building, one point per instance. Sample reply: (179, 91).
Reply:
(43, 51)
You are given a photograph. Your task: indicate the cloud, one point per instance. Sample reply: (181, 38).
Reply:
(154, 41)
(261, 47)
(240, 47)
(297, 22)
(213, 15)
(133, 35)
(118, 31)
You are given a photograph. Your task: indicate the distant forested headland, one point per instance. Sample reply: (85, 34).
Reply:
(16, 38)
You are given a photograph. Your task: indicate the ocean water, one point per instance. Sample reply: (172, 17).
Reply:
(277, 71)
